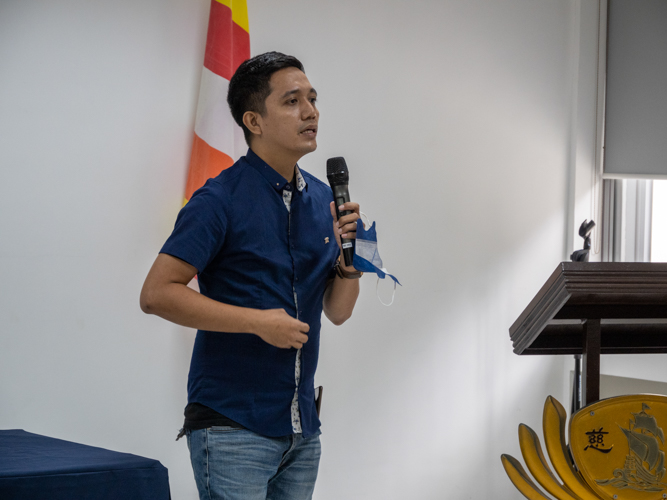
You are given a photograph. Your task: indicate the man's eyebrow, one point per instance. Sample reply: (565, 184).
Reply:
(296, 91)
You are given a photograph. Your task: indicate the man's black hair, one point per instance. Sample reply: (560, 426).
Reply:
(249, 87)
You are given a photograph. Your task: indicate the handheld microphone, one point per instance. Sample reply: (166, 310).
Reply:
(338, 177)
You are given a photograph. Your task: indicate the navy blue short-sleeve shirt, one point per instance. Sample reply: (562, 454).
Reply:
(250, 251)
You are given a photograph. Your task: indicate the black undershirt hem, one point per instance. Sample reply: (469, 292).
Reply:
(198, 416)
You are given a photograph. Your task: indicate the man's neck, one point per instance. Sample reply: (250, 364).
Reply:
(280, 163)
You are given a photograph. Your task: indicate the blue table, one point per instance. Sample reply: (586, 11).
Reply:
(34, 467)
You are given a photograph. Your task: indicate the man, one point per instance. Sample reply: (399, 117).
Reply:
(261, 237)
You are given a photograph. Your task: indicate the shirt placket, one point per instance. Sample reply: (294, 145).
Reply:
(294, 410)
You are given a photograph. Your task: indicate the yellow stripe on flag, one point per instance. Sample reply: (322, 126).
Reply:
(239, 12)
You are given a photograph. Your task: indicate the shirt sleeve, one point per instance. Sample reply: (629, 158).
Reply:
(199, 232)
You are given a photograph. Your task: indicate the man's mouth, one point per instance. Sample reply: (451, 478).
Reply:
(312, 130)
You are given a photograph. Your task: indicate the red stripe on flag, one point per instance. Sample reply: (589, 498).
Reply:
(241, 48)
(205, 162)
(227, 44)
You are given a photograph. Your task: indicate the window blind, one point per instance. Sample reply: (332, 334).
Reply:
(636, 89)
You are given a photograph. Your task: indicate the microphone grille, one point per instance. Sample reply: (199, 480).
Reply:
(336, 165)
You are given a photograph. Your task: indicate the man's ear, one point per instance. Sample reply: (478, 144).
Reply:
(251, 120)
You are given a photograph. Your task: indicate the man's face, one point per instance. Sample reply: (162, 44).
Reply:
(289, 124)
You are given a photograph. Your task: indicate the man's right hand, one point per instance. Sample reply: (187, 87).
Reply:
(279, 329)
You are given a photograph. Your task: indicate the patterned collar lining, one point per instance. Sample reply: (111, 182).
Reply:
(300, 181)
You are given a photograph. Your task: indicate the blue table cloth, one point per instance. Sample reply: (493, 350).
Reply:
(34, 467)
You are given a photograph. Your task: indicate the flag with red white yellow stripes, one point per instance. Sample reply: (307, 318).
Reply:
(218, 140)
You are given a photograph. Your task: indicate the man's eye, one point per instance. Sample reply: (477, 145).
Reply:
(313, 100)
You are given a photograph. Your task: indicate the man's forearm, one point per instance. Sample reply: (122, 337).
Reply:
(180, 304)
(340, 298)
(166, 294)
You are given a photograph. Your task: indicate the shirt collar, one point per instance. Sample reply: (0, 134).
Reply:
(275, 179)
(300, 181)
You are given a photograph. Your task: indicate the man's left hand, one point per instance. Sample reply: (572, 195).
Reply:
(346, 227)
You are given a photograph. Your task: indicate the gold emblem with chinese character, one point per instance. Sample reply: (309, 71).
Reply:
(616, 451)
(629, 459)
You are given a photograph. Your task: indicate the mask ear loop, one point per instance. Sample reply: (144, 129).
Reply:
(377, 292)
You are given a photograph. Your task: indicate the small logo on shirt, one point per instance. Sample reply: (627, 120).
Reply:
(326, 240)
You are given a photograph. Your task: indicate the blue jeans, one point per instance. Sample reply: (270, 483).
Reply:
(237, 464)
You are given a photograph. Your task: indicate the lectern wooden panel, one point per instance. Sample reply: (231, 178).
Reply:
(594, 308)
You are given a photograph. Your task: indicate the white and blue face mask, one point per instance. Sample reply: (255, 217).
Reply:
(367, 258)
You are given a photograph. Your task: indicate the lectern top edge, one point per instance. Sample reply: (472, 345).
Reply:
(588, 290)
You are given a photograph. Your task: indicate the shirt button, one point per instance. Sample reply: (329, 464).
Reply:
(288, 187)
(296, 278)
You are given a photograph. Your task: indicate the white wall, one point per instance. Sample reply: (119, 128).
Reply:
(456, 120)
(586, 131)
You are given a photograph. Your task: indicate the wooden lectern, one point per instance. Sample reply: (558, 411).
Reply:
(594, 308)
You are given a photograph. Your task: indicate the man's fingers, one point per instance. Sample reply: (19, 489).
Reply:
(348, 219)
(351, 206)
(345, 230)
(283, 330)
(302, 338)
(346, 226)
(333, 210)
(298, 341)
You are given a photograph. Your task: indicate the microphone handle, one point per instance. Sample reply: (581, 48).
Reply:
(342, 195)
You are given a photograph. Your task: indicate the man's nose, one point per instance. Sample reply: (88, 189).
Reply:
(309, 111)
